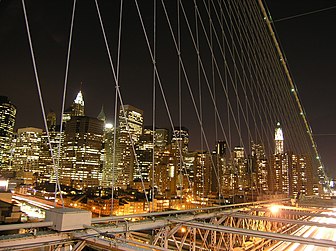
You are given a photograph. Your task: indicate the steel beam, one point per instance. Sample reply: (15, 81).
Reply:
(282, 220)
(260, 234)
(25, 225)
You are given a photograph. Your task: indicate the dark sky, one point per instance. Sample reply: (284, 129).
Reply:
(308, 42)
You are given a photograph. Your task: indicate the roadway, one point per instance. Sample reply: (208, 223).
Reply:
(320, 233)
(33, 207)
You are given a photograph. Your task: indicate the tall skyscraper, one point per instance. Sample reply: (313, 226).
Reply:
(144, 153)
(131, 121)
(180, 139)
(109, 172)
(219, 172)
(27, 148)
(129, 131)
(260, 167)
(7, 121)
(179, 149)
(202, 174)
(279, 140)
(76, 108)
(46, 162)
(164, 170)
(82, 167)
(240, 168)
(78, 105)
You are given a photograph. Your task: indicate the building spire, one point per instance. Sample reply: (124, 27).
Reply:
(279, 139)
(78, 104)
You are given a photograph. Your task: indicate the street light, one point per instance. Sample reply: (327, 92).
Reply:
(274, 209)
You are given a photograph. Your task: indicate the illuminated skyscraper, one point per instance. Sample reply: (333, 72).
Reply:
(131, 121)
(180, 139)
(83, 140)
(78, 105)
(109, 172)
(260, 167)
(179, 149)
(144, 153)
(219, 172)
(7, 121)
(76, 108)
(129, 131)
(27, 148)
(202, 174)
(46, 163)
(279, 140)
(239, 169)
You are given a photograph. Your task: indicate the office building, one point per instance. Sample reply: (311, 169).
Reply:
(77, 108)
(26, 154)
(82, 166)
(7, 121)
(128, 134)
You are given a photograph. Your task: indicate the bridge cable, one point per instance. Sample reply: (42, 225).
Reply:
(41, 99)
(121, 101)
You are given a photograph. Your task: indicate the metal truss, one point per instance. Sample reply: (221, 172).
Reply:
(249, 228)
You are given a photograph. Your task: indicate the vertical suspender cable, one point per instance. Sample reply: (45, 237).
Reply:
(116, 107)
(179, 96)
(41, 98)
(154, 103)
(120, 97)
(64, 94)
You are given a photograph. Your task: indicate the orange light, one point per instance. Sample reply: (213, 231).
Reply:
(274, 209)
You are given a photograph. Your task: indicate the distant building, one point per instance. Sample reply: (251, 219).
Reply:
(219, 174)
(131, 121)
(77, 108)
(260, 167)
(279, 140)
(82, 167)
(7, 121)
(129, 131)
(289, 173)
(202, 174)
(180, 139)
(179, 149)
(108, 157)
(27, 149)
(239, 165)
(144, 154)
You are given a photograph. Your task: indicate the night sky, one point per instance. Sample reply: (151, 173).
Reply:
(308, 42)
(309, 45)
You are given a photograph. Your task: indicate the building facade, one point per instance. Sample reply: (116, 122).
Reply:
(7, 122)
(83, 142)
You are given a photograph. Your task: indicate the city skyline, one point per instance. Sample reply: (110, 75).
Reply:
(85, 163)
(57, 39)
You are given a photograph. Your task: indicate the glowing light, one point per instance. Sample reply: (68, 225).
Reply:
(79, 99)
(4, 183)
(108, 126)
(183, 230)
(278, 133)
(274, 209)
